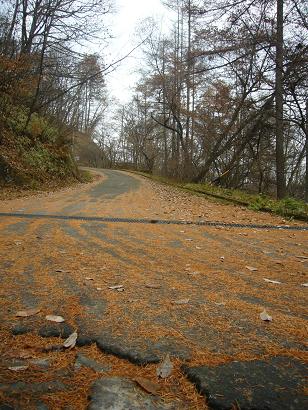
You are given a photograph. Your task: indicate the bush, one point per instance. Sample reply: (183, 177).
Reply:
(260, 202)
(45, 161)
(39, 128)
(290, 206)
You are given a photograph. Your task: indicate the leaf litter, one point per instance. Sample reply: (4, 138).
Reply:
(152, 286)
(181, 301)
(54, 318)
(117, 288)
(70, 342)
(272, 281)
(251, 268)
(147, 385)
(164, 370)
(265, 316)
(18, 368)
(28, 312)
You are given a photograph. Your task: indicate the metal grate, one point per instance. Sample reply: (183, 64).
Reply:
(155, 221)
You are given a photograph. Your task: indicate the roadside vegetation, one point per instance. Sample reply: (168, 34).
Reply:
(290, 208)
(49, 92)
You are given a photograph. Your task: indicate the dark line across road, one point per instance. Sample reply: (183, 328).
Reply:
(153, 221)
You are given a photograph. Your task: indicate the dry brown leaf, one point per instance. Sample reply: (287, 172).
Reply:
(18, 368)
(251, 268)
(19, 354)
(305, 285)
(165, 368)
(70, 342)
(152, 286)
(23, 354)
(265, 316)
(116, 287)
(28, 312)
(181, 301)
(147, 385)
(193, 273)
(54, 318)
(272, 281)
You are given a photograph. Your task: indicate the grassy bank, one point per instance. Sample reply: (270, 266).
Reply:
(34, 154)
(289, 208)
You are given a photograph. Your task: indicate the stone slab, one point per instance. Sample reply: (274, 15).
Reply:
(117, 393)
(276, 384)
(82, 360)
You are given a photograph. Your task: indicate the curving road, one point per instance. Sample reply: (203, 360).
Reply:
(195, 292)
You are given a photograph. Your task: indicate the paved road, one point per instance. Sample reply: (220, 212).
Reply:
(194, 292)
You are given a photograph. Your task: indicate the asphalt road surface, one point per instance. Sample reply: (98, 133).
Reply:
(138, 291)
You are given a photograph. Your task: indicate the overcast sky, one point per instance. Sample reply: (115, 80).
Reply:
(124, 23)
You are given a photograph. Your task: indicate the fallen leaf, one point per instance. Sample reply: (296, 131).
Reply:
(181, 302)
(19, 354)
(198, 247)
(53, 348)
(152, 286)
(70, 342)
(28, 312)
(301, 257)
(272, 281)
(147, 385)
(18, 368)
(305, 285)
(251, 268)
(23, 354)
(117, 287)
(53, 318)
(99, 289)
(89, 278)
(193, 273)
(265, 316)
(165, 368)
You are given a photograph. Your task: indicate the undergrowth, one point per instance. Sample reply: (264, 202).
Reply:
(288, 207)
(34, 151)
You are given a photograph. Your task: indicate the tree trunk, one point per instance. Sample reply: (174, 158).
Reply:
(280, 158)
(306, 175)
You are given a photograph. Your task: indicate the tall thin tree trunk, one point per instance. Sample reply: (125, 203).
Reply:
(306, 175)
(188, 81)
(280, 157)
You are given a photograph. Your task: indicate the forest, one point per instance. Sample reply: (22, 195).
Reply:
(222, 97)
(50, 89)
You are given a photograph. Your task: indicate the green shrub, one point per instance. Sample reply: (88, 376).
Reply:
(39, 128)
(290, 206)
(45, 161)
(17, 119)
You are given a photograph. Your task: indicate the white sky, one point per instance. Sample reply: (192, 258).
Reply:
(123, 27)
